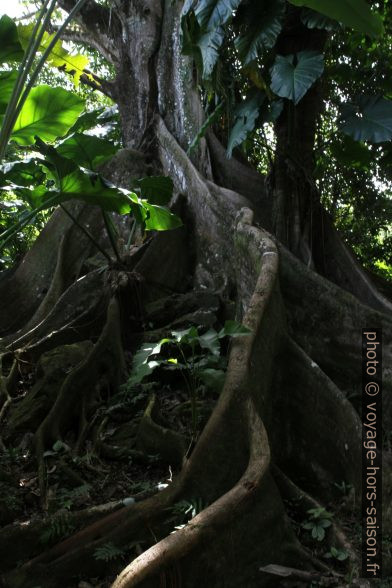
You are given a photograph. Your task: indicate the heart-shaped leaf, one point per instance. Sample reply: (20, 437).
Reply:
(293, 75)
(368, 118)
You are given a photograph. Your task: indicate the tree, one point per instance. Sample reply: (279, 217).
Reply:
(267, 247)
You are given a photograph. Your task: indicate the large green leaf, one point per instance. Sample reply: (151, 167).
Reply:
(205, 30)
(214, 13)
(48, 112)
(10, 47)
(209, 45)
(316, 20)
(87, 150)
(259, 24)
(293, 75)
(73, 64)
(352, 13)
(159, 218)
(368, 118)
(156, 189)
(7, 82)
(94, 118)
(27, 172)
(245, 117)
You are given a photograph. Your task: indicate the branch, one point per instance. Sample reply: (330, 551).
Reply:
(100, 23)
(105, 47)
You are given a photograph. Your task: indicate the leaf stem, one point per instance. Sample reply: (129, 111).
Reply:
(86, 232)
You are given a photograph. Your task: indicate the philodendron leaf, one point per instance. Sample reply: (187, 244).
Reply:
(213, 13)
(74, 64)
(208, 34)
(159, 218)
(10, 47)
(87, 150)
(316, 20)
(245, 116)
(293, 75)
(352, 13)
(259, 25)
(7, 82)
(368, 118)
(23, 173)
(48, 112)
(156, 189)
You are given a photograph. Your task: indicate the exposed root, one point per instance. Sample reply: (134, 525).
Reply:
(106, 356)
(210, 521)
(155, 439)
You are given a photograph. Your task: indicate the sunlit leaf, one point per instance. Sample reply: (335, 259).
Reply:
(48, 112)
(156, 189)
(160, 219)
(74, 64)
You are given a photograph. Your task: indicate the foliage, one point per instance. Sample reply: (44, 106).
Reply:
(352, 13)
(146, 359)
(293, 75)
(108, 552)
(252, 68)
(319, 520)
(196, 356)
(335, 553)
(59, 526)
(36, 118)
(72, 64)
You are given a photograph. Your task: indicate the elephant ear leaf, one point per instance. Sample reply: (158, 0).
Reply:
(245, 116)
(47, 113)
(316, 20)
(352, 13)
(368, 118)
(293, 75)
(202, 26)
(259, 26)
(10, 47)
(156, 189)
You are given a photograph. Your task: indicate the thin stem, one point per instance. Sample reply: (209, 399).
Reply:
(109, 231)
(86, 232)
(131, 234)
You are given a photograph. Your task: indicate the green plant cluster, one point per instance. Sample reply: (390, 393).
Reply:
(48, 155)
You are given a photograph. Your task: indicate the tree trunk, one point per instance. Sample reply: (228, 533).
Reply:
(284, 428)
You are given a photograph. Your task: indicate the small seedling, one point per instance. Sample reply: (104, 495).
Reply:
(318, 521)
(196, 356)
(339, 554)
